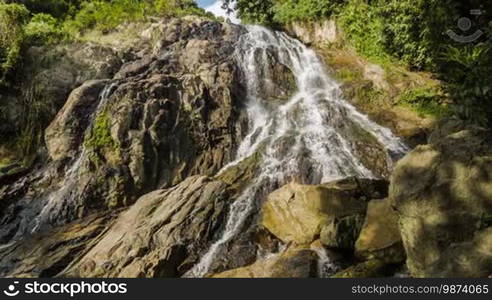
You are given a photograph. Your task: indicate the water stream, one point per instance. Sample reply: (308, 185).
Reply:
(305, 138)
(58, 206)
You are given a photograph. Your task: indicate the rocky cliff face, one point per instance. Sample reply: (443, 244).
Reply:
(187, 147)
(172, 109)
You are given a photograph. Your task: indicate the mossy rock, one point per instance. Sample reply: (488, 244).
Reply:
(380, 236)
(342, 233)
(369, 269)
(443, 195)
(300, 213)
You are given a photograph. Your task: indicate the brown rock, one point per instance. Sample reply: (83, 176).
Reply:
(293, 263)
(443, 195)
(158, 233)
(300, 213)
(65, 134)
(380, 235)
(48, 254)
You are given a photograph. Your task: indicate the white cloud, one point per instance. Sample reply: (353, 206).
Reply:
(217, 10)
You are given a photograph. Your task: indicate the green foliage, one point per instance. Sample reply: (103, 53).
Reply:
(43, 29)
(100, 135)
(427, 100)
(363, 26)
(177, 8)
(12, 19)
(305, 10)
(59, 9)
(468, 71)
(106, 15)
(413, 30)
(253, 11)
(278, 12)
(349, 75)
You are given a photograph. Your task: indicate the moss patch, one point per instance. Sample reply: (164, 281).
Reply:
(427, 101)
(100, 142)
(404, 86)
(408, 102)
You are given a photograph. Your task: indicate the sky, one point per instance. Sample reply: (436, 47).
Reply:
(205, 3)
(215, 7)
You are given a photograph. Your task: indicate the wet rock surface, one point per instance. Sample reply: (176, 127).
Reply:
(133, 181)
(161, 235)
(47, 254)
(169, 113)
(292, 263)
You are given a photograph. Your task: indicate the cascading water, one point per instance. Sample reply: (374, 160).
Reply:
(304, 138)
(57, 200)
(60, 203)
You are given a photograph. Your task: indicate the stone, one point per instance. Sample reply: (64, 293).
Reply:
(341, 233)
(443, 196)
(368, 269)
(168, 114)
(377, 75)
(293, 263)
(300, 213)
(317, 33)
(380, 235)
(66, 132)
(158, 234)
(276, 80)
(48, 254)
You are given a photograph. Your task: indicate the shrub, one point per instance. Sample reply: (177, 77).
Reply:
(105, 15)
(253, 11)
(56, 8)
(43, 29)
(12, 19)
(468, 72)
(428, 100)
(305, 10)
(413, 30)
(178, 8)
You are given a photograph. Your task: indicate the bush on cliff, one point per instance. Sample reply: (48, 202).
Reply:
(12, 19)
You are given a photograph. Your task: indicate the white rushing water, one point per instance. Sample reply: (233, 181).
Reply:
(304, 138)
(66, 195)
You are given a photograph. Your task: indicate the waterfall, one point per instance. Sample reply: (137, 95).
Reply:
(62, 200)
(304, 138)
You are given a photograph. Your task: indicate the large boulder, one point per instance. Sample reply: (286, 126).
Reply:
(443, 196)
(66, 132)
(317, 33)
(380, 235)
(161, 235)
(47, 77)
(293, 263)
(301, 213)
